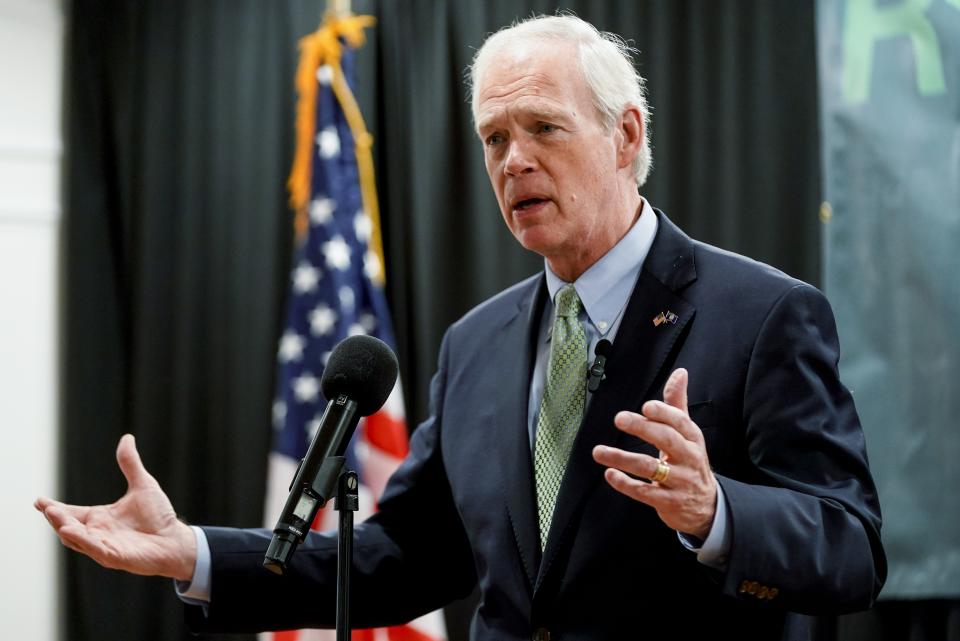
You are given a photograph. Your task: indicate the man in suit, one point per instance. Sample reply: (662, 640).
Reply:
(738, 503)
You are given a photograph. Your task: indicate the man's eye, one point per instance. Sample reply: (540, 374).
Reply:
(547, 128)
(494, 140)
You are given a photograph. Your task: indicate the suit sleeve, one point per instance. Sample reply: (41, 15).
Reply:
(410, 558)
(806, 530)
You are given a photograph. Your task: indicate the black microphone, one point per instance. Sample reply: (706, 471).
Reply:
(595, 374)
(358, 378)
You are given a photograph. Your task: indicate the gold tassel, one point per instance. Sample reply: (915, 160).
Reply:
(318, 49)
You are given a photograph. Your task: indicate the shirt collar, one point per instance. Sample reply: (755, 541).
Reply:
(605, 287)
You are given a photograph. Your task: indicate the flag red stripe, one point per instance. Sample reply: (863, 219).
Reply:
(406, 633)
(388, 434)
(286, 635)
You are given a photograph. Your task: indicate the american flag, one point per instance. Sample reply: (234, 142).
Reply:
(335, 292)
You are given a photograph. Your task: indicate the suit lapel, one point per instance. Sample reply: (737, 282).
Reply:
(637, 357)
(516, 342)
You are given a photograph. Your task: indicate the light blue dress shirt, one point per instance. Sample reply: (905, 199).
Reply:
(604, 290)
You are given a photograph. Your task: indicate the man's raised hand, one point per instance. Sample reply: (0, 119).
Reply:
(139, 533)
(682, 486)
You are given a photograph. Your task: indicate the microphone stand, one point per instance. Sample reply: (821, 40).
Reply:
(347, 502)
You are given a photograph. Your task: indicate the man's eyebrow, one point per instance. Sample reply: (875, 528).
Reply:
(547, 114)
(538, 114)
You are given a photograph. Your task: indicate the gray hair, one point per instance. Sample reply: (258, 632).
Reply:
(606, 61)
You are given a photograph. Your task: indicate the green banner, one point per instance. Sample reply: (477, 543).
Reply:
(890, 114)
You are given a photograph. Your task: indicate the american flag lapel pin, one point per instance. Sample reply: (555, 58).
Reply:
(665, 317)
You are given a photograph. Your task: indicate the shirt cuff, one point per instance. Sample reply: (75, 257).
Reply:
(714, 551)
(196, 591)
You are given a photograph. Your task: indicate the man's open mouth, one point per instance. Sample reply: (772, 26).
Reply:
(526, 203)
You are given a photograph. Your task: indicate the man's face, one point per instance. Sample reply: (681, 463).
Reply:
(552, 164)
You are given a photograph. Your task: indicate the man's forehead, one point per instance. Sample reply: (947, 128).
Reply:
(533, 80)
(542, 64)
(530, 85)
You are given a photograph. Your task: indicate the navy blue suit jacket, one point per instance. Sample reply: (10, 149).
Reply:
(783, 438)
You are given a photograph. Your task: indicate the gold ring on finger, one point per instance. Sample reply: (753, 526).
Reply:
(661, 473)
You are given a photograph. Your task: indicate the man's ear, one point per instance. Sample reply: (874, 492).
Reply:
(630, 135)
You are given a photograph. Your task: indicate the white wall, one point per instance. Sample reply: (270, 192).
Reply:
(31, 52)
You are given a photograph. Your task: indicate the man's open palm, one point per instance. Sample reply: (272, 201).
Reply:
(139, 533)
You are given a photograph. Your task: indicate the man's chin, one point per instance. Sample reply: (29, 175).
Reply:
(535, 240)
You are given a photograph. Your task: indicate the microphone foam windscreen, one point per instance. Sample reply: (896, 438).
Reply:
(362, 367)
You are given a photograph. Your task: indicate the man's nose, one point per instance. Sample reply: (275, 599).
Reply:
(520, 158)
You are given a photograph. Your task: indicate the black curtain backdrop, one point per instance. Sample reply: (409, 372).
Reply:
(177, 238)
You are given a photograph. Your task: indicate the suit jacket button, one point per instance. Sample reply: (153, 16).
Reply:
(541, 634)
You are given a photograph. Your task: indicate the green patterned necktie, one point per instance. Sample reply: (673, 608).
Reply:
(562, 406)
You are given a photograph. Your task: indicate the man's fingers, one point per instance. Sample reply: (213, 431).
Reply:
(674, 410)
(678, 420)
(60, 514)
(69, 544)
(76, 538)
(79, 540)
(635, 464)
(647, 493)
(662, 436)
(675, 391)
(130, 464)
(59, 518)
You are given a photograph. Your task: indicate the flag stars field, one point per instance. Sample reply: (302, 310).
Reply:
(328, 142)
(321, 210)
(291, 347)
(337, 253)
(322, 320)
(305, 278)
(306, 387)
(362, 226)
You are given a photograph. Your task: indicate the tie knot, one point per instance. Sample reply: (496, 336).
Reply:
(567, 302)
